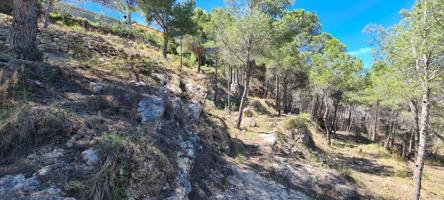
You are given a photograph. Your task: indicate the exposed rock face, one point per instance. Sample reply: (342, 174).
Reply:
(152, 109)
(303, 136)
(185, 162)
(294, 142)
(196, 93)
(19, 187)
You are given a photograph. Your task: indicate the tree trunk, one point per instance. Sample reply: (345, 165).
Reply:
(314, 108)
(229, 81)
(23, 30)
(415, 134)
(244, 95)
(325, 117)
(389, 141)
(375, 125)
(419, 164)
(285, 95)
(350, 122)
(199, 60)
(266, 89)
(404, 145)
(411, 142)
(349, 119)
(333, 127)
(215, 80)
(278, 104)
(48, 11)
(165, 43)
(181, 51)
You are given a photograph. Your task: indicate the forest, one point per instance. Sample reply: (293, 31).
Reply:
(225, 76)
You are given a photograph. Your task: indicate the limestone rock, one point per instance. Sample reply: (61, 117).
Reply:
(163, 79)
(194, 111)
(303, 136)
(151, 109)
(90, 157)
(269, 138)
(12, 186)
(96, 87)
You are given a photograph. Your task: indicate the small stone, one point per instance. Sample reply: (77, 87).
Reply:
(90, 157)
(95, 87)
(141, 83)
(44, 171)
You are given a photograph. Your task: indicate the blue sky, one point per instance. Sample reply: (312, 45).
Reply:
(344, 19)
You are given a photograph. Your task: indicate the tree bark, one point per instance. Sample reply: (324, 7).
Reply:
(181, 51)
(325, 117)
(419, 164)
(165, 43)
(215, 80)
(415, 134)
(266, 89)
(48, 11)
(389, 141)
(285, 95)
(350, 120)
(375, 123)
(278, 103)
(23, 30)
(334, 118)
(199, 60)
(244, 95)
(229, 81)
(314, 109)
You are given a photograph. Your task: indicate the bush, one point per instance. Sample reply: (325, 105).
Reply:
(300, 121)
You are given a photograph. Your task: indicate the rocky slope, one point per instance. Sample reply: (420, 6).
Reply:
(84, 131)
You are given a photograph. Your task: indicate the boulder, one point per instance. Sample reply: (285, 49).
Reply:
(152, 110)
(269, 138)
(90, 157)
(303, 136)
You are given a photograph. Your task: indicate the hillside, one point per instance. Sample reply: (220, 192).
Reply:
(105, 116)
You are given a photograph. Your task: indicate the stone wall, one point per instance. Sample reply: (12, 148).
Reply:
(74, 44)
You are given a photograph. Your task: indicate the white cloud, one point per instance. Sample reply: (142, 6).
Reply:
(361, 51)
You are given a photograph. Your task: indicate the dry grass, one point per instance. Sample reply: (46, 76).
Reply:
(27, 127)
